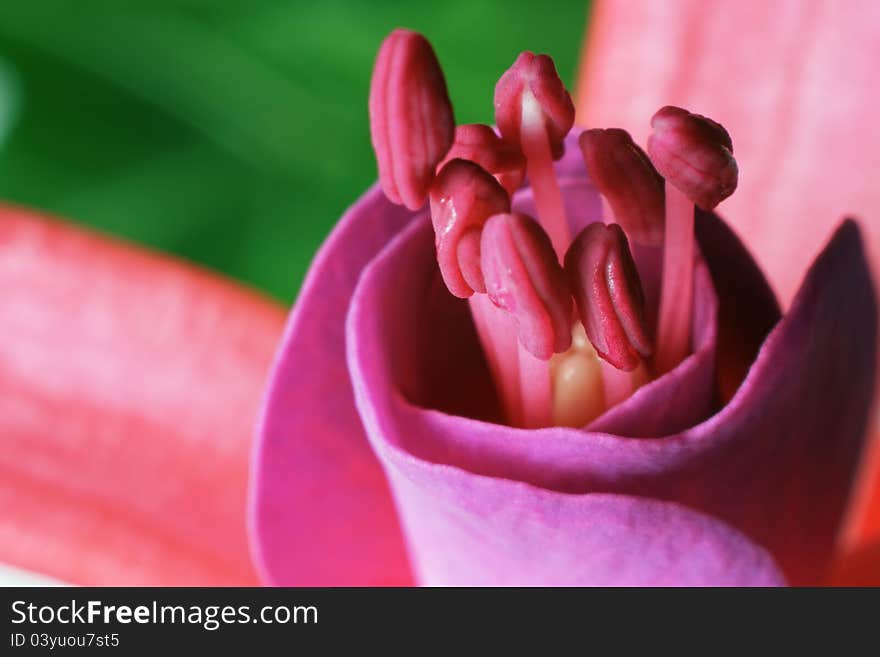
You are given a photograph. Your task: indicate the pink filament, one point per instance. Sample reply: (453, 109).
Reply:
(674, 323)
(536, 390)
(500, 345)
(548, 197)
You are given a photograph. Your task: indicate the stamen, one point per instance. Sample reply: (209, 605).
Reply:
(501, 348)
(695, 155)
(608, 294)
(534, 111)
(463, 197)
(625, 177)
(620, 385)
(469, 260)
(524, 278)
(411, 119)
(676, 291)
(536, 390)
(479, 144)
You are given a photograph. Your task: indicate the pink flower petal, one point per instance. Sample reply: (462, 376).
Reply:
(794, 83)
(469, 530)
(321, 513)
(311, 441)
(128, 389)
(859, 566)
(775, 463)
(747, 308)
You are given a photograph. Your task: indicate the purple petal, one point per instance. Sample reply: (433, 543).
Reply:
(776, 463)
(413, 348)
(469, 530)
(320, 510)
(748, 309)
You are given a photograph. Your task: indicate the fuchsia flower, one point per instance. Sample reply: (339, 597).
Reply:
(387, 452)
(623, 405)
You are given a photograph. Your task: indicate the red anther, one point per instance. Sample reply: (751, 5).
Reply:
(463, 197)
(411, 120)
(524, 278)
(608, 294)
(624, 175)
(531, 90)
(479, 143)
(695, 154)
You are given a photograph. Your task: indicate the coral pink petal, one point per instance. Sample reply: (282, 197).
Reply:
(129, 384)
(858, 567)
(797, 89)
(864, 523)
(869, 525)
(321, 511)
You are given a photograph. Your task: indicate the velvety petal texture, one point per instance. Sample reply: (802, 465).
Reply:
(128, 388)
(469, 530)
(320, 509)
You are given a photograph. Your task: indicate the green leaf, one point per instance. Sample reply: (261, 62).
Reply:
(232, 134)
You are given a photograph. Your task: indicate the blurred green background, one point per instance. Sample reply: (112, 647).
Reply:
(233, 134)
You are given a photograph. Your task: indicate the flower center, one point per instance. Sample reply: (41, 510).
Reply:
(561, 320)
